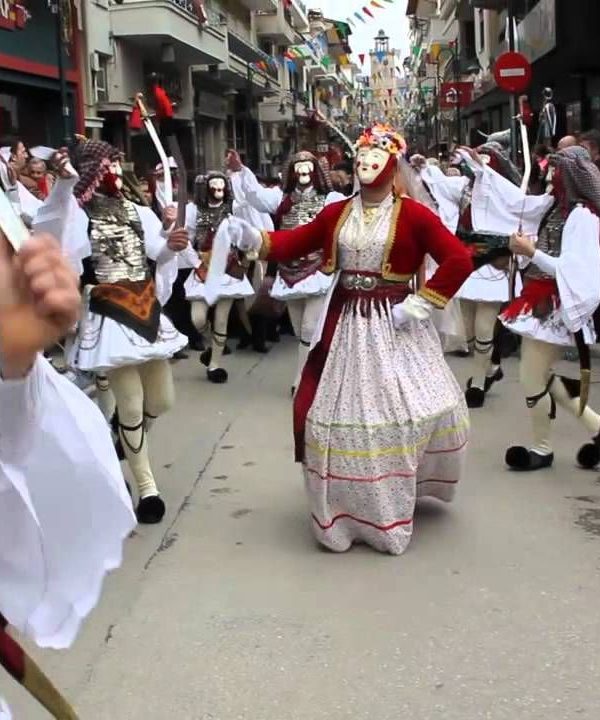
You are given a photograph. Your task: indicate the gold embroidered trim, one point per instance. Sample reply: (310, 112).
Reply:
(386, 269)
(265, 248)
(433, 297)
(331, 264)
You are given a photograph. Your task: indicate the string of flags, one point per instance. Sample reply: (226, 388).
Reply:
(315, 49)
(366, 10)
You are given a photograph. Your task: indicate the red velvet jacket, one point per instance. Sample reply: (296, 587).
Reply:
(414, 232)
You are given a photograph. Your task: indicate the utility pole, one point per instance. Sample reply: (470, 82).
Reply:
(513, 98)
(62, 77)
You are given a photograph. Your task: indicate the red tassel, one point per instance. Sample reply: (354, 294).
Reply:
(135, 119)
(536, 294)
(164, 107)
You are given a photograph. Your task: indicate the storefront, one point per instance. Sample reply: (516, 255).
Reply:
(30, 106)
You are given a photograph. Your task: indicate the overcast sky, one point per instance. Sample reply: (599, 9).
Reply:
(392, 19)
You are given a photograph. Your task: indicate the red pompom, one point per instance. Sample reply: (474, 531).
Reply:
(135, 119)
(164, 107)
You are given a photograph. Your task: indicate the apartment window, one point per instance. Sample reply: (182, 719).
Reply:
(99, 76)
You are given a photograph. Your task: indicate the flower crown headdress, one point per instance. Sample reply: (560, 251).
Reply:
(383, 137)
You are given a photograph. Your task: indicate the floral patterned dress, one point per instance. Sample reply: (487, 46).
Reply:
(388, 423)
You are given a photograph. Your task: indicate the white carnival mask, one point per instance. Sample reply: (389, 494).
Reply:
(115, 169)
(217, 188)
(304, 171)
(370, 163)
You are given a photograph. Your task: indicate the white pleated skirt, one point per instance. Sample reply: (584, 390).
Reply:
(488, 285)
(230, 288)
(103, 344)
(316, 284)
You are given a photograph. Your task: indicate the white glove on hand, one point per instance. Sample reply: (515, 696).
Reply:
(244, 236)
(413, 308)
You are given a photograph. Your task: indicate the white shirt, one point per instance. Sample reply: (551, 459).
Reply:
(64, 508)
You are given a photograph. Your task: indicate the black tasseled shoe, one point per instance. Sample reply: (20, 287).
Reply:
(218, 376)
(474, 396)
(523, 460)
(588, 456)
(496, 377)
(150, 510)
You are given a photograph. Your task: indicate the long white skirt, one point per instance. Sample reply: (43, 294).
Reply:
(388, 424)
(230, 288)
(488, 285)
(103, 344)
(64, 514)
(316, 284)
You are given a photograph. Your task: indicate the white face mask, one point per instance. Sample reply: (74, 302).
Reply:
(304, 172)
(371, 162)
(115, 169)
(217, 188)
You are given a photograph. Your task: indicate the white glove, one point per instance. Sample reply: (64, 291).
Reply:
(413, 308)
(244, 236)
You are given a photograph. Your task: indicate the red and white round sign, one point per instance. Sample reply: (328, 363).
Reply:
(512, 72)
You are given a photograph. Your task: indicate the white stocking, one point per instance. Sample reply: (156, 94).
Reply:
(590, 419)
(127, 386)
(105, 397)
(537, 359)
(200, 316)
(305, 315)
(219, 334)
(159, 389)
(486, 315)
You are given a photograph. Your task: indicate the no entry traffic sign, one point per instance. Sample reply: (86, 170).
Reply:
(513, 72)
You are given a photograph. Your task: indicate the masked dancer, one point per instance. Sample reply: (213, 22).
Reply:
(378, 418)
(123, 334)
(555, 310)
(214, 200)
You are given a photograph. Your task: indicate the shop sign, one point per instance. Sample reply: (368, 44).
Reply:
(455, 93)
(13, 15)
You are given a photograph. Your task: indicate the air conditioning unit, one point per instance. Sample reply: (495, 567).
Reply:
(94, 62)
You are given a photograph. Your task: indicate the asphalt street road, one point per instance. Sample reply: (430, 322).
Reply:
(229, 611)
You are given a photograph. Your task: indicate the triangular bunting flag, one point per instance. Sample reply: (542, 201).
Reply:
(380, 55)
(360, 17)
(374, 3)
(361, 57)
(390, 91)
(350, 21)
(368, 12)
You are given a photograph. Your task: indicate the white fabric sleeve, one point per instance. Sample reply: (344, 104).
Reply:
(498, 206)
(545, 262)
(334, 197)
(265, 200)
(64, 508)
(447, 193)
(20, 403)
(577, 267)
(167, 263)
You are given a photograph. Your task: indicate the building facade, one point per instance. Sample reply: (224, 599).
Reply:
(30, 99)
